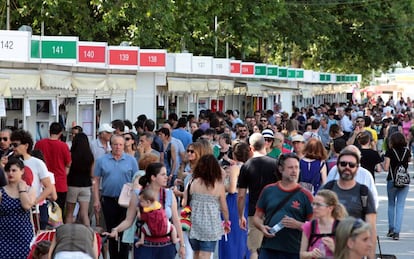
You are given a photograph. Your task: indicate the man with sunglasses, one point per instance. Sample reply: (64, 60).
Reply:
(5, 142)
(356, 198)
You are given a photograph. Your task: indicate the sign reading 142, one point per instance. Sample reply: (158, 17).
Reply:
(6, 44)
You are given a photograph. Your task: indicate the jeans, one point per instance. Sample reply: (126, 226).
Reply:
(396, 203)
(154, 252)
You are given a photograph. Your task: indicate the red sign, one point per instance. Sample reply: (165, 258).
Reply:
(235, 67)
(153, 59)
(92, 54)
(247, 69)
(123, 57)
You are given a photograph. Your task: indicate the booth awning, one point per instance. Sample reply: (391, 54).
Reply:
(178, 85)
(4, 86)
(89, 82)
(122, 82)
(56, 79)
(199, 85)
(22, 79)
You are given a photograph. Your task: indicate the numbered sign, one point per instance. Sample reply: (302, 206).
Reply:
(58, 49)
(202, 65)
(247, 68)
(123, 57)
(92, 53)
(152, 59)
(235, 66)
(15, 45)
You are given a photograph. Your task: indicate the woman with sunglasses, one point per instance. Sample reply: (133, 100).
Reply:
(318, 234)
(131, 145)
(352, 239)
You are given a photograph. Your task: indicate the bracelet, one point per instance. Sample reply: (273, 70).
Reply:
(22, 191)
(227, 223)
(183, 245)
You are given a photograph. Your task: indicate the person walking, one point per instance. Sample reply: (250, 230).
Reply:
(207, 199)
(398, 154)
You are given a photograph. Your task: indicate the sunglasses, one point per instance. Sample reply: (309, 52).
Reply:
(359, 121)
(263, 120)
(357, 224)
(350, 164)
(268, 139)
(127, 139)
(242, 130)
(14, 144)
(4, 139)
(319, 204)
(190, 151)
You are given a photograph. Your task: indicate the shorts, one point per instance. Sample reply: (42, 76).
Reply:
(72, 255)
(155, 251)
(78, 194)
(205, 246)
(254, 236)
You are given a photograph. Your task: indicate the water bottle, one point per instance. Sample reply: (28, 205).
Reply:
(276, 228)
(322, 249)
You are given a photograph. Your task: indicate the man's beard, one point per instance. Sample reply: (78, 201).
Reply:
(346, 177)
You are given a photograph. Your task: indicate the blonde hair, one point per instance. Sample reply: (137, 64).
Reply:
(349, 227)
(331, 199)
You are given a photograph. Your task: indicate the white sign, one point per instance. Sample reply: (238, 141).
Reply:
(202, 65)
(221, 66)
(15, 45)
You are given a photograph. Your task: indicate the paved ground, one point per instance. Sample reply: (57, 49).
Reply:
(404, 248)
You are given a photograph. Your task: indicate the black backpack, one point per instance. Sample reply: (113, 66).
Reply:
(363, 193)
(314, 236)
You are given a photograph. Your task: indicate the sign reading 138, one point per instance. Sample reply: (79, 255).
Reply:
(6, 44)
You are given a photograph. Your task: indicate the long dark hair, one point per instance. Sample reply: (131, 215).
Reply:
(208, 170)
(152, 169)
(80, 151)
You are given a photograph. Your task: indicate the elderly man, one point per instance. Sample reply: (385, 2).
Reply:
(255, 174)
(144, 145)
(100, 146)
(115, 169)
(357, 199)
(286, 202)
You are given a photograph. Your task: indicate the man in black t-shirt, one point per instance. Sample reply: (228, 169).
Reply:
(255, 174)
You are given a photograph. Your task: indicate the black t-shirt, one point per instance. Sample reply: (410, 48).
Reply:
(255, 174)
(3, 181)
(394, 160)
(369, 159)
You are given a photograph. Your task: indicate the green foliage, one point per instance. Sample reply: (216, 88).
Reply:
(344, 36)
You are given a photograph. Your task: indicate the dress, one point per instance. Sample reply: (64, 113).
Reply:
(16, 230)
(205, 217)
(236, 245)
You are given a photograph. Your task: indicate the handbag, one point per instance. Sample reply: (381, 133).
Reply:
(125, 195)
(185, 213)
(400, 175)
(55, 215)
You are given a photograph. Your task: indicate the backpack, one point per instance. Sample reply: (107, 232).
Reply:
(315, 236)
(399, 174)
(363, 193)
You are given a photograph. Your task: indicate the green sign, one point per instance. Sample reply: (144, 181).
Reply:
(324, 77)
(291, 73)
(300, 73)
(283, 72)
(260, 70)
(272, 71)
(59, 49)
(35, 49)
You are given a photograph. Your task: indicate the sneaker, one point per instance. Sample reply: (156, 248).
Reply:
(390, 233)
(396, 236)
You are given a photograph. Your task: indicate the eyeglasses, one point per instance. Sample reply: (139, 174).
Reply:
(4, 139)
(127, 139)
(357, 224)
(263, 120)
(190, 151)
(268, 139)
(359, 121)
(350, 164)
(14, 144)
(319, 204)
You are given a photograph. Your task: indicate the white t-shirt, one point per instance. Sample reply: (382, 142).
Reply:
(39, 171)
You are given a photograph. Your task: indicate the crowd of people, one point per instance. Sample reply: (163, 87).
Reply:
(271, 186)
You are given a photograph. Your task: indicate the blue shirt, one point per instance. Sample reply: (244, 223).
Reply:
(183, 135)
(115, 173)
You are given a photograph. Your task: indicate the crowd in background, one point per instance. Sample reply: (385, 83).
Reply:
(274, 185)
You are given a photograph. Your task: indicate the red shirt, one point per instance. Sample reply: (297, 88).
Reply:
(57, 158)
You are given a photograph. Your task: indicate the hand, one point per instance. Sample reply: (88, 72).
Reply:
(113, 234)
(4, 160)
(289, 222)
(329, 243)
(242, 223)
(265, 229)
(316, 253)
(22, 186)
(182, 252)
(97, 206)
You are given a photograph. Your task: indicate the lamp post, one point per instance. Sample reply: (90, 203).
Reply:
(8, 15)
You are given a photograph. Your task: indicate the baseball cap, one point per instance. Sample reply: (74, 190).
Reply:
(267, 133)
(298, 138)
(105, 127)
